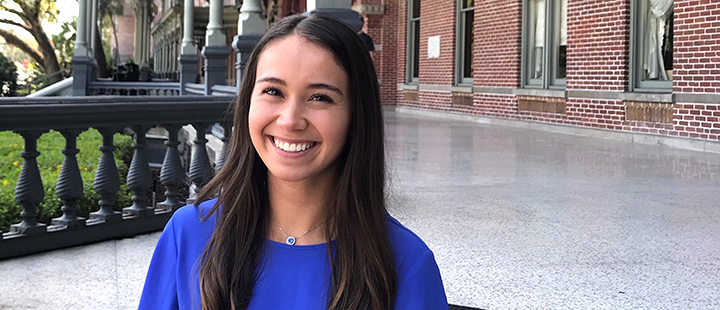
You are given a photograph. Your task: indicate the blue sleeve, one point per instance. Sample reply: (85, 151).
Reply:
(422, 288)
(160, 291)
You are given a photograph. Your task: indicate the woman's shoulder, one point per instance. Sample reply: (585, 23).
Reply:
(193, 220)
(191, 213)
(408, 248)
(418, 276)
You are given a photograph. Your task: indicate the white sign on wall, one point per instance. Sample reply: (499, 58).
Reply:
(434, 47)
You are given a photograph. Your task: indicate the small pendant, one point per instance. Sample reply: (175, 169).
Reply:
(290, 240)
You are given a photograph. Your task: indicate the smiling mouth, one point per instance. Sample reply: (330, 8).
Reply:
(292, 147)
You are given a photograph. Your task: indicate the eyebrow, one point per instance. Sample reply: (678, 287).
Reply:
(313, 85)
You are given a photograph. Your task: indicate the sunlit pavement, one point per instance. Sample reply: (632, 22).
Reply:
(517, 219)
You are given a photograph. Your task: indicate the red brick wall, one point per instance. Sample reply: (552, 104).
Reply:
(496, 57)
(382, 28)
(598, 59)
(389, 40)
(402, 7)
(696, 66)
(598, 42)
(437, 18)
(697, 46)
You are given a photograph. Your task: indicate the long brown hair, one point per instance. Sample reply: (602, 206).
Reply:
(363, 274)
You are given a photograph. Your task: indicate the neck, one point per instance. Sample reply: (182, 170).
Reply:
(298, 207)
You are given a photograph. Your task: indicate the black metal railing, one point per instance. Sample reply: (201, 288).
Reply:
(70, 116)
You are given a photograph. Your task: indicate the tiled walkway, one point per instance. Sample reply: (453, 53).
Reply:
(518, 219)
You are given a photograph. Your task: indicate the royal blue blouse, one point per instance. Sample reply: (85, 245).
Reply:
(291, 277)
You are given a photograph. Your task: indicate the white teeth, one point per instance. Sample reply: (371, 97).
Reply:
(295, 147)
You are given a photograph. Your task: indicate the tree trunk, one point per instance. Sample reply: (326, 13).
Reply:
(99, 54)
(12, 39)
(116, 52)
(50, 61)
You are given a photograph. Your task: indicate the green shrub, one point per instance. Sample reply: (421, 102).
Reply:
(8, 77)
(49, 162)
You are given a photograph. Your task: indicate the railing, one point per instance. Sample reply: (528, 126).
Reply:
(224, 90)
(64, 73)
(195, 89)
(167, 75)
(117, 88)
(73, 115)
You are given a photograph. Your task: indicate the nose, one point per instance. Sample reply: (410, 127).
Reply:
(292, 116)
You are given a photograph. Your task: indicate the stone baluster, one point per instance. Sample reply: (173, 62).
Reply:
(172, 174)
(200, 170)
(222, 156)
(29, 191)
(139, 177)
(107, 180)
(69, 183)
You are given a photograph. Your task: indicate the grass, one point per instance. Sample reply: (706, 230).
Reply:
(50, 162)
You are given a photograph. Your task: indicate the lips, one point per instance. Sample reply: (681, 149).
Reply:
(292, 146)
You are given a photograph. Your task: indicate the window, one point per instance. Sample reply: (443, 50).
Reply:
(651, 46)
(544, 43)
(464, 52)
(413, 39)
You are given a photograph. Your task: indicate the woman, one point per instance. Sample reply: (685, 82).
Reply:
(299, 221)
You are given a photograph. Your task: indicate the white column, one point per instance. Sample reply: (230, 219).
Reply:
(250, 20)
(94, 24)
(188, 56)
(80, 43)
(166, 53)
(88, 27)
(328, 4)
(188, 44)
(145, 33)
(214, 35)
(138, 31)
(175, 54)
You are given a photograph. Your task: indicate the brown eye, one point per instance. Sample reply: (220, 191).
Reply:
(272, 92)
(322, 98)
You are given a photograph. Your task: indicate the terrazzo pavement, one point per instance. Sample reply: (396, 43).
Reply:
(517, 219)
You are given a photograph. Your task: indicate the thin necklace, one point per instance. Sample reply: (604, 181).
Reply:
(290, 240)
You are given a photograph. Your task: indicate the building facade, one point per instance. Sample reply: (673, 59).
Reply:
(649, 66)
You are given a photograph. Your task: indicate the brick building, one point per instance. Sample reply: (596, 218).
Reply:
(649, 66)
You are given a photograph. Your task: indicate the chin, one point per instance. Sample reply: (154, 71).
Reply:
(288, 176)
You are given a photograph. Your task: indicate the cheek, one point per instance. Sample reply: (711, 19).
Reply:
(255, 125)
(337, 128)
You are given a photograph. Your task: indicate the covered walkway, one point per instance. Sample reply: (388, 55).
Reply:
(518, 219)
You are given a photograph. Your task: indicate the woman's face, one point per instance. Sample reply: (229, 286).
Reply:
(299, 109)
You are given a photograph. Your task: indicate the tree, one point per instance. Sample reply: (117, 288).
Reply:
(8, 77)
(33, 13)
(110, 9)
(106, 9)
(65, 41)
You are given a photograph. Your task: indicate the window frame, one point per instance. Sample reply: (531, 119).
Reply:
(638, 14)
(551, 39)
(460, 44)
(411, 30)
